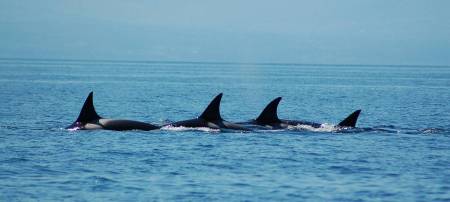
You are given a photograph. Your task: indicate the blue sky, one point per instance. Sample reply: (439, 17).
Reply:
(331, 32)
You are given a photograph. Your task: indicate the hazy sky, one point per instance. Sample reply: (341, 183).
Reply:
(316, 31)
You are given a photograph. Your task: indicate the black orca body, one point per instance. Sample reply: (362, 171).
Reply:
(90, 120)
(269, 119)
(210, 118)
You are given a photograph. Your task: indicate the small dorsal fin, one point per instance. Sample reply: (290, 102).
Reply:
(88, 112)
(212, 112)
(269, 114)
(350, 121)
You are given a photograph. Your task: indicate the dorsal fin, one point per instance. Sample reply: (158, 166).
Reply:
(269, 114)
(350, 121)
(88, 112)
(212, 112)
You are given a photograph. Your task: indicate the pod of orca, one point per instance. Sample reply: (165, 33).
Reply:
(88, 119)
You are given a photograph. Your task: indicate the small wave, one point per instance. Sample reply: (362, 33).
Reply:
(182, 128)
(100, 179)
(241, 184)
(220, 166)
(398, 130)
(10, 127)
(387, 126)
(118, 153)
(432, 130)
(47, 170)
(15, 160)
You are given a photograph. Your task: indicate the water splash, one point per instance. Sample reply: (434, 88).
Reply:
(323, 128)
(72, 129)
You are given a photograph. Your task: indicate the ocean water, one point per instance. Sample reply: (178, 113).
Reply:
(399, 152)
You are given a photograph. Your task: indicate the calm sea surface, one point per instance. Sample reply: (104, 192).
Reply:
(400, 151)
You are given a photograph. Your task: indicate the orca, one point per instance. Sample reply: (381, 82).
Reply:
(210, 118)
(90, 120)
(269, 119)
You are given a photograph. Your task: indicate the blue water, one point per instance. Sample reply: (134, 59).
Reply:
(400, 151)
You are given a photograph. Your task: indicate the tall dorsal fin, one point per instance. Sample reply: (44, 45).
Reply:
(350, 121)
(88, 112)
(269, 114)
(212, 112)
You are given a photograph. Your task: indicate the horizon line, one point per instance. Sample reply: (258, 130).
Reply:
(216, 62)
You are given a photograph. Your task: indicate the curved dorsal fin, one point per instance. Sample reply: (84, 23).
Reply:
(350, 121)
(212, 112)
(88, 112)
(269, 114)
